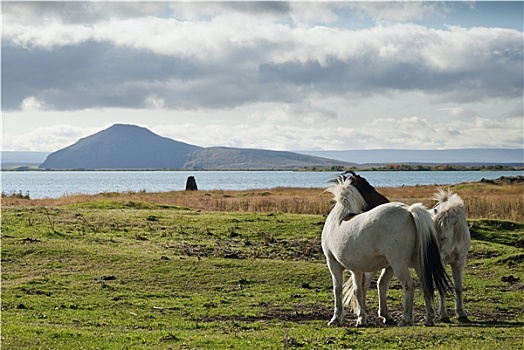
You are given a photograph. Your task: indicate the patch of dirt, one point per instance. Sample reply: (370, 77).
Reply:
(307, 250)
(299, 313)
(302, 313)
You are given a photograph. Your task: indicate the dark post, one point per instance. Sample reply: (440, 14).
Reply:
(191, 184)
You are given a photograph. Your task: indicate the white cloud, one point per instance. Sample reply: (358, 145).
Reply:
(45, 139)
(155, 102)
(311, 13)
(266, 75)
(31, 103)
(409, 132)
(400, 11)
(244, 59)
(459, 112)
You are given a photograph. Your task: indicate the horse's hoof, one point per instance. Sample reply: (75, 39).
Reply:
(445, 320)
(389, 321)
(335, 322)
(429, 324)
(464, 319)
(361, 322)
(404, 324)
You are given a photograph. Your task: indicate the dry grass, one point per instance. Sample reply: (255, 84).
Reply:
(482, 201)
(499, 201)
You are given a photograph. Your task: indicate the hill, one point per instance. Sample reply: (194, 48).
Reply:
(465, 156)
(121, 147)
(224, 158)
(16, 160)
(133, 147)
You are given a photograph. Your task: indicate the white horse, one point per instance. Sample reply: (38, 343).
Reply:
(391, 234)
(449, 216)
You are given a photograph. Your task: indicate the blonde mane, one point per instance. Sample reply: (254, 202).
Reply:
(346, 194)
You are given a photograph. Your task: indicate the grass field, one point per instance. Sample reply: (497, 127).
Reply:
(244, 270)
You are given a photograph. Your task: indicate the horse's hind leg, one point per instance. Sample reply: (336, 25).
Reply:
(382, 286)
(428, 301)
(442, 311)
(457, 270)
(406, 281)
(359, 293)
(337, 275)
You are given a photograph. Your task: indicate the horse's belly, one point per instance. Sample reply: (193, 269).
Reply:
(362, 262)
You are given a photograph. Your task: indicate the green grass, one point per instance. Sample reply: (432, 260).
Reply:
(144, 276)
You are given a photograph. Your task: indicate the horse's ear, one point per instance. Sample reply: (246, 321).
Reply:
(351, 172)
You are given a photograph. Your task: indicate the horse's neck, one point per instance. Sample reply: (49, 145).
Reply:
(375, 199)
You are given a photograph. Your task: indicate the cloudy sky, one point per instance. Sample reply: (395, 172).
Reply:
(273, 75)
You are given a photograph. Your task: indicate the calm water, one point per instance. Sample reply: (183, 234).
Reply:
(54, 184)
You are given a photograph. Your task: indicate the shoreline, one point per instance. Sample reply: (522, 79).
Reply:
(499, 199)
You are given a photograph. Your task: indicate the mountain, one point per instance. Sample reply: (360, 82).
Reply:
(121, 147)
(132, 147)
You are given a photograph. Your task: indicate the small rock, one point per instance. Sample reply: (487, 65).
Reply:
(510, 279)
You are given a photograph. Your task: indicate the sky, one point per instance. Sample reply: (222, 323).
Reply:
(272, 75)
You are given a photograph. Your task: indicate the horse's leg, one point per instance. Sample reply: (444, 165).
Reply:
(337, 275)
(382, 286)
(428, 302)
(442, 310)
(457, 269)
(360, 297)
(403, 274)
(367, 278)
(366, 282)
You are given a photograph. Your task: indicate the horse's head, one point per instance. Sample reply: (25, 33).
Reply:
(371, 196)
(449, 216)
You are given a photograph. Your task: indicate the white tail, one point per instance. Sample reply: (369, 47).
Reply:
(431, 266)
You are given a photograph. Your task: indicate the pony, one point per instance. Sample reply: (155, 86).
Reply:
(454, 239)
(390, 235)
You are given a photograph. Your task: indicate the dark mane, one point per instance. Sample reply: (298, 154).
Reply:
(371, 196)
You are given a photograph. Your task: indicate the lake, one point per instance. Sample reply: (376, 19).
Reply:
(55, 184)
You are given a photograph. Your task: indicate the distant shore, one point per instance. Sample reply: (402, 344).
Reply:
(378, 167)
